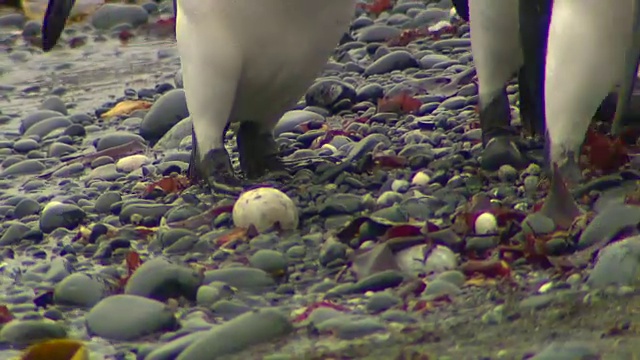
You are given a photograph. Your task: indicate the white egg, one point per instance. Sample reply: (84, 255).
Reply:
(486, 224)
(263, 208)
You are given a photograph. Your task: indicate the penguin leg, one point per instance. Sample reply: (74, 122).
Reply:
(258, 150)
(623, 115)
(497, 55)
(586, 50)
(210, 77)
(535, 16)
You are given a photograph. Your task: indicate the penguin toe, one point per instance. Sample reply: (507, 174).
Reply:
(216, 171)
(501, 151)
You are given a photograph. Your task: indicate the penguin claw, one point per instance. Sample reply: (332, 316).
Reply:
(259, 153)
(501, 150)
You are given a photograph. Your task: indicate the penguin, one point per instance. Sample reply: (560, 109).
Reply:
(242, 61)
(249, 62)
(589, 44)
(498, 54)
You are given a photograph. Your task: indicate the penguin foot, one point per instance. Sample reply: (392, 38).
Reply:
(215, 170)
(569, 169)
(559, 205)
(501, 150)
(259, 155)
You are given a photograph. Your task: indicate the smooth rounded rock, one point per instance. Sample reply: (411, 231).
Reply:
(46, 126)
(129, 317)
(291, 119)
(270, 261)
(249, 329)
(165, 113)
(110, 15)
(240, 277)
(117, 138)
(326, 93)
(60, 215)
(54, 103)
(25, 167)
(397, 60)
(160, 279)
(27, 332)
(79, 290)
(36, 117)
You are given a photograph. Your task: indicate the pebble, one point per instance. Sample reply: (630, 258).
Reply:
(249, 329)
(137, 317)
(617, 264)
(397, 60)
(242, 278)
(117, 138)
(165, 113)
(60, 215)
(110, 15)
(28, 332)
(78, 289)
(160, 279)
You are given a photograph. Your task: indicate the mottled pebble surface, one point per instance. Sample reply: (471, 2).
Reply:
(388, 242)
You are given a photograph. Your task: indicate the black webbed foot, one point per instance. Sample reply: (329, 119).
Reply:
(259, 155)
(214, 169)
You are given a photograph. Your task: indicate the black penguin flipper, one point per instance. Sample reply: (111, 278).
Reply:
(55, 18)
(462, 8)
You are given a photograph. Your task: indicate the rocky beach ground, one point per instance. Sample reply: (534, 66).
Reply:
(404, 248)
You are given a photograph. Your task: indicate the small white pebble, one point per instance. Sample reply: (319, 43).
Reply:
(420, 179)
(545, 287)
(443, 24)
(263, 208)
(486, 224)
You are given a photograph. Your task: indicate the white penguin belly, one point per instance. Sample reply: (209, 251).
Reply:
(587, 43)
(249, 60)
(282, 58)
